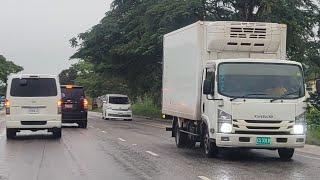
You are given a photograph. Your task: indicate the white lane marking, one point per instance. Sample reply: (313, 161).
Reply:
(134, 144)
(204, 178)
(103, 132)
(91, 127)
(152, 153)
(121, 139)
(310, 157)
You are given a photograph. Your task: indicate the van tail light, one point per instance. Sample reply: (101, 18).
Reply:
(7, 106)
(85, 104)
(60, 102)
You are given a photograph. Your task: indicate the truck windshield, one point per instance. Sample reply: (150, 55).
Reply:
(260, 80)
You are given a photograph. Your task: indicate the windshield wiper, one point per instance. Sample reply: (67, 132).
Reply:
(287, 94)
(247, 95)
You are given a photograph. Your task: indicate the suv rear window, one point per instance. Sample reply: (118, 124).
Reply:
(118, 100)
(32, 87)
(72, 93)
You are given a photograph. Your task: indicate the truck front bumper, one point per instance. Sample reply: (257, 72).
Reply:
(249, 141)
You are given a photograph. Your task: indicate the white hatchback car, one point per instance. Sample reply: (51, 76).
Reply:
(33, 103)
(116, 106)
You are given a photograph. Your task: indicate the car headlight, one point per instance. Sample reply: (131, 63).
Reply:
(299, 127)
(224, 122)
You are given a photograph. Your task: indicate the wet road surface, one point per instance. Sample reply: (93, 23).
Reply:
(140, 149)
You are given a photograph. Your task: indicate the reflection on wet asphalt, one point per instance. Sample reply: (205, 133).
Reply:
(140, 149)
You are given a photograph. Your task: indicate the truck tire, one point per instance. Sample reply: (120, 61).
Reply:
(180, 138)
(210, 148)
(57, 133)
(11, 133)
(286, 153)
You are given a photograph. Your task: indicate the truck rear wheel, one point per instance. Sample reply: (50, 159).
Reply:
(180, 138)
(210, 148)
(286, 153)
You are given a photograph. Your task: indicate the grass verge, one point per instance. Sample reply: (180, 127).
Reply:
(146, 108)
(97, 110)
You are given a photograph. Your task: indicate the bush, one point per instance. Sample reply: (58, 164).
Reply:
(313, 126)
(146, 107)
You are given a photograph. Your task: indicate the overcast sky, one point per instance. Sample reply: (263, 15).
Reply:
(35, 33)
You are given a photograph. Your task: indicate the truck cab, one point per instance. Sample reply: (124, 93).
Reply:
(258, 104)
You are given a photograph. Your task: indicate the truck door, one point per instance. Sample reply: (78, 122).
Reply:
(209, 104)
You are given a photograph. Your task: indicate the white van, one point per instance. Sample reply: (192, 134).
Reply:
(33, 103)
(116, 106)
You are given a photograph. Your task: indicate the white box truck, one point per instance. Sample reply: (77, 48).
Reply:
(229, 84)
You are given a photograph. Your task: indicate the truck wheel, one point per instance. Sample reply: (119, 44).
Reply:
(57, 133)
(210, 148)
(181, 138)
(286, 153)
(11, 133)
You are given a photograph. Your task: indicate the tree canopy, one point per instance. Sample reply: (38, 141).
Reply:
(6, 68)
(127, 43)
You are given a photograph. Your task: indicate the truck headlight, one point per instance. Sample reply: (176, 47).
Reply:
(224, 122)
(299, 127)
(226, 128)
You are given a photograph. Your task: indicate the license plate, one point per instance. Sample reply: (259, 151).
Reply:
(69, 106)
(33, 110)
(263, 140)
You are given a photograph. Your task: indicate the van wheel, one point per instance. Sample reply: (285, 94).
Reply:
(83, 124)
(57, 133)
(210, 147)
(180, 138)
(11, 133)
(286, 153)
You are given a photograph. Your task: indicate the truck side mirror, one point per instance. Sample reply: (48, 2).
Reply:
(207, 87)
(318, 86)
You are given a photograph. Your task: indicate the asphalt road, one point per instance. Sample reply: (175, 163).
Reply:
(140, 149)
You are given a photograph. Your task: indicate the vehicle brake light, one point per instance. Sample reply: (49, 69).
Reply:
(7, 106)
(85, 104)
(60, 106)
(69, 86)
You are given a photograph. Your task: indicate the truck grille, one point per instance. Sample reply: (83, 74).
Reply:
(262, 126)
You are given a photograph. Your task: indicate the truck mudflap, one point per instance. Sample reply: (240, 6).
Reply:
(255, 141)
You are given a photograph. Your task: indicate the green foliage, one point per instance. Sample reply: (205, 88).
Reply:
(313, 118)
(6, 68)
(126, 46)
(146, 107)
(313, 122)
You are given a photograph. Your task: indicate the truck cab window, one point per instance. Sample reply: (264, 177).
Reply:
(210, 77)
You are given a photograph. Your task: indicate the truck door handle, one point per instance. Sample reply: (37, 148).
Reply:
(203, 107)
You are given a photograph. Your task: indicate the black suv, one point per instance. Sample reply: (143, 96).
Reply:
(74, 105)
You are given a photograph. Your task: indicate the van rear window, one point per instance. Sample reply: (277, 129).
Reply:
(118, 100)
(72, 93)
(32, 87)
